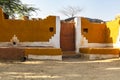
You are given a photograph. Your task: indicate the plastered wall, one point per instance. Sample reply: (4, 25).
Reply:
(27, 30)
(112, 31)
(94, 32)
(48, 30)
(107, 33)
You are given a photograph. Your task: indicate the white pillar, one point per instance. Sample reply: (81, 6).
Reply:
(77, 33)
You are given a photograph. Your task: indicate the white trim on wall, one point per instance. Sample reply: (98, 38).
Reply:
(115, 45)
(55, 40)
(77, 33)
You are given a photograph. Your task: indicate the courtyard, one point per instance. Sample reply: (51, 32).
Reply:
(68, 69)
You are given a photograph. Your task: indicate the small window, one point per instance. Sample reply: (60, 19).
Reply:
(85, 30)
(51, 29)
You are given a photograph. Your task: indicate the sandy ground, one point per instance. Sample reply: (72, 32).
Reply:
(68, 69)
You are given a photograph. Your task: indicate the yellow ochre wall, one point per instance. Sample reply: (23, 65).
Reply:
(96, 32)
(27, 30)
(112, 31)
(101, 33)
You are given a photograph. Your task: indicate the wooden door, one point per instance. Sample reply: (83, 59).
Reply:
(67, 36)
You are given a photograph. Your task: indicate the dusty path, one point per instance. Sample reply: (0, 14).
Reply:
(68, 69)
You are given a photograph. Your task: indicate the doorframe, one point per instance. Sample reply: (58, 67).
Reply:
(74, 37)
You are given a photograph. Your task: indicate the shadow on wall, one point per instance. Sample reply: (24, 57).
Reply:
(108, 38)
(112, 32)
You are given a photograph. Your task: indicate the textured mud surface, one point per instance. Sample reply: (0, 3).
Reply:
(68, 69)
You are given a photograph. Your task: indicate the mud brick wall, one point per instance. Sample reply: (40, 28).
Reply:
(11, 53)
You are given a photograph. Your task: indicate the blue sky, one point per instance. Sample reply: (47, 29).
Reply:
(101, 9)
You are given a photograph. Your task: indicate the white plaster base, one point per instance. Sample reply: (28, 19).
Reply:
(100, 56)
(115, 45)
(26, 44)
(45, 57)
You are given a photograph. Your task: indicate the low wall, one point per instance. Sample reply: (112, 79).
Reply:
(11, 53)
(105, 51)
(100, 53)
(7, 53)
(44, 53)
